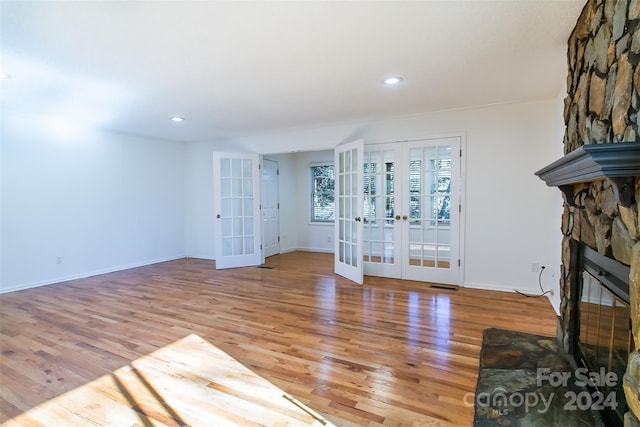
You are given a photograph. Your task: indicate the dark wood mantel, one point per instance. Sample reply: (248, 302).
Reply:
(617, 162)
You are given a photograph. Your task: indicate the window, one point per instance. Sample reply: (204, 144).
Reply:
(323, 193)
(378, 200)
(437, 174)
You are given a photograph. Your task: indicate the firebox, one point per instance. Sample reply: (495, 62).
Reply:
(602, 330)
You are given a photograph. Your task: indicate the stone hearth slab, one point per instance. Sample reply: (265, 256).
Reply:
(526, 381)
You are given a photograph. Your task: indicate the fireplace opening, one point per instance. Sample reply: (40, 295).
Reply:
(603, 338)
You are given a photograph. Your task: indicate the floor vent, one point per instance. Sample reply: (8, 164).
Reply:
(444, 287)
(265, 267)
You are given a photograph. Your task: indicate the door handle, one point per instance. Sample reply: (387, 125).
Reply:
(404, 217)
(397, 217)
(358, 219)
(218, 216)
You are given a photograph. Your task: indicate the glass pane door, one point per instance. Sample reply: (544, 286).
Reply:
(381, 211)
(431, 227)
(237, 222)
(348, 222)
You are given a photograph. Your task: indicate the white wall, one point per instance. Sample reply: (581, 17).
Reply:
(199, 205)
(99, 201)
(103, 201)
(511, 218)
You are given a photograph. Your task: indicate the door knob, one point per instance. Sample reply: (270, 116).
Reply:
(404, 217)
(218, 216)
(398, 217)
(358, 219)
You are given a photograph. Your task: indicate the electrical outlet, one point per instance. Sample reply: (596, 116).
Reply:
(535, 267)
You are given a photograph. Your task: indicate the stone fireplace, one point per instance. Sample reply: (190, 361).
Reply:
(601, 186)
(601, 190)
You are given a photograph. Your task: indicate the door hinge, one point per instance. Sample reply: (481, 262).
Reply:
(461, 152)
(459, 207)
(260, 246)
(278, 238)
(278, 205)
(458, 263)
(278, 172)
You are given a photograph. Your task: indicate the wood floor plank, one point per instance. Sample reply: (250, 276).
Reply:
(386, 353)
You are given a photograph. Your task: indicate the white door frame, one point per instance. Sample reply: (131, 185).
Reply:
(382, 143)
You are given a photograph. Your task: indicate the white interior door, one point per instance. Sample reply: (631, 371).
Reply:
(270, 208)
(236, 180)
(431, 220)
(348, 205)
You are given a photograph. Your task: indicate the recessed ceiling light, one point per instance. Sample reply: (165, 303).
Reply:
(177, 119)
(392, 80)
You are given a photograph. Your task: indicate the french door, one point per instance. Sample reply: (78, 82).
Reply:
(382, 190)
(431, 231)
(348, 211)
(236, 180)
(411, 219)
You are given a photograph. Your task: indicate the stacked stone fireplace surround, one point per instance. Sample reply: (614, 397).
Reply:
(603, 107)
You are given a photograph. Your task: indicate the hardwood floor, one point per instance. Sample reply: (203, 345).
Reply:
(389, 352)
(190, 382)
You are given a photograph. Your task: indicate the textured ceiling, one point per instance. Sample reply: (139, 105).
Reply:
(239, 66)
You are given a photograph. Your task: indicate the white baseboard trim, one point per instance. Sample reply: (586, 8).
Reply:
(494, 287)
(88, 274)
(555, 303)
(207, 257)
(288, 250)
(321, 250)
